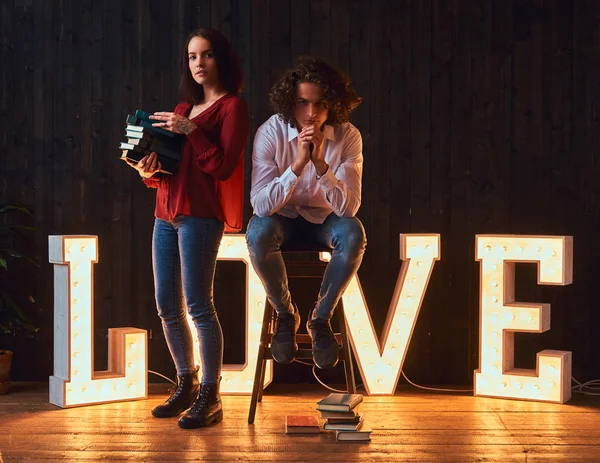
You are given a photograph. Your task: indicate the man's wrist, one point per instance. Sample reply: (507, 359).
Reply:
(321, 167)
(297, 168)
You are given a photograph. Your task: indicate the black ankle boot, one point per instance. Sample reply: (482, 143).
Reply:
(182, 395)
(205, 410)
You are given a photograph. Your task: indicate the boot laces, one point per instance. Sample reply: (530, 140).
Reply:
(202, 400)
(175, 391)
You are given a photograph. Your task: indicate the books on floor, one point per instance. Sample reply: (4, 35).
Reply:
(361, 434)
(344, 415)
(341, 415)
(336, 402)
(302, 424)
(343, 424)
(143, 139)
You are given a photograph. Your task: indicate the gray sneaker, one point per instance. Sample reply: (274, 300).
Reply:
(324, 346)
(283, 341)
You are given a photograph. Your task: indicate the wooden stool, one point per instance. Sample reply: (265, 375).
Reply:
(299, 269)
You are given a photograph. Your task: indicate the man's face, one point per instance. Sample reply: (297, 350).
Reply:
(311, 107)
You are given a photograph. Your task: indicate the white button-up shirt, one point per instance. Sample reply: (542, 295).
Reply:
(277, 189)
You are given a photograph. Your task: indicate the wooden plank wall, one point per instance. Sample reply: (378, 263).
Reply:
(478, 117)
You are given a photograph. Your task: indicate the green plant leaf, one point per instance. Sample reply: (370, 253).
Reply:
(8, 207)
(14, 238)
(18, 255)
(6, 329)
(13, 314)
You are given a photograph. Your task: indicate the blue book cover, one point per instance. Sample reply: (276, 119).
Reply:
(147, 124)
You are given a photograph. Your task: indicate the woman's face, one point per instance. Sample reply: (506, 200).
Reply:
(311, 106)
(201, 59)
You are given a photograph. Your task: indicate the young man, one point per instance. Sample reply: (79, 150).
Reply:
(306, 187)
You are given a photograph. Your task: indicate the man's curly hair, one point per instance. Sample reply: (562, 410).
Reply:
(340, 97)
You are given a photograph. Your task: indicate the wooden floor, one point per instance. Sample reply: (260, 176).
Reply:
(412, 426)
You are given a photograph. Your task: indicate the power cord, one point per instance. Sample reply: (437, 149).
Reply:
(433, 388)
(162, 376)
(314, 372)
(299, 361)
(586, 388)
(593, 385)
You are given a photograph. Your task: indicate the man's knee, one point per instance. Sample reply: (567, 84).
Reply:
(351, 235)
(262, 233)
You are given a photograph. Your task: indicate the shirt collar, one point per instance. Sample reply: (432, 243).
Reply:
(328, 132)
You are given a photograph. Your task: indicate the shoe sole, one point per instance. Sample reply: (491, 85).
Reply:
(215, 419)
(173, 415)
(287, 361)
(169, 415)
(326, 366)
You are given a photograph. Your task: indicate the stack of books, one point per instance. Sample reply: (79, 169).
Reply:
(143, 139)
(341, 415)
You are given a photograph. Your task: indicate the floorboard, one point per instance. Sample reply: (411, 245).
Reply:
(411, 426)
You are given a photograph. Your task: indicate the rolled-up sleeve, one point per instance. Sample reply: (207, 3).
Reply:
(270, 191)
(343, 188)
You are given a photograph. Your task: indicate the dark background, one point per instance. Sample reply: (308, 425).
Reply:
(479, 116)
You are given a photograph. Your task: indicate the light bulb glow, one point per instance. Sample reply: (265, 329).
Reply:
(501, 316)
(388, 354)
(126, 377)
(239, 379)
(74, 381)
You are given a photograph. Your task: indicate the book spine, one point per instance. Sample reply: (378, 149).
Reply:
(136, 148)
(356, 401)
(147, 124)
(334, 408)
(142, 115)
(131, 120)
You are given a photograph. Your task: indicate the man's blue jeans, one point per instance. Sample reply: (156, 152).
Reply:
(184, 257)
(266, 236)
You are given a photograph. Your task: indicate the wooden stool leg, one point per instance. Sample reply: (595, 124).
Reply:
(261, 384)
(267, 342)
(346, 349)
(259, 375)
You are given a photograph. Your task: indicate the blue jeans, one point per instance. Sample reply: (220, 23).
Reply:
(184, 258)
(266, 236)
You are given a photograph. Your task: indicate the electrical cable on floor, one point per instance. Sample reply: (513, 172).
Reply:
(579, 387)
(594, 385)
(314, 372)
(162, 376)
(434, 388)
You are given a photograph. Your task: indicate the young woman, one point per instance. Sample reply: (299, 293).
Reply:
(193, 208)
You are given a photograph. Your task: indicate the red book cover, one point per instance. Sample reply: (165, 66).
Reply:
(301, 424)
